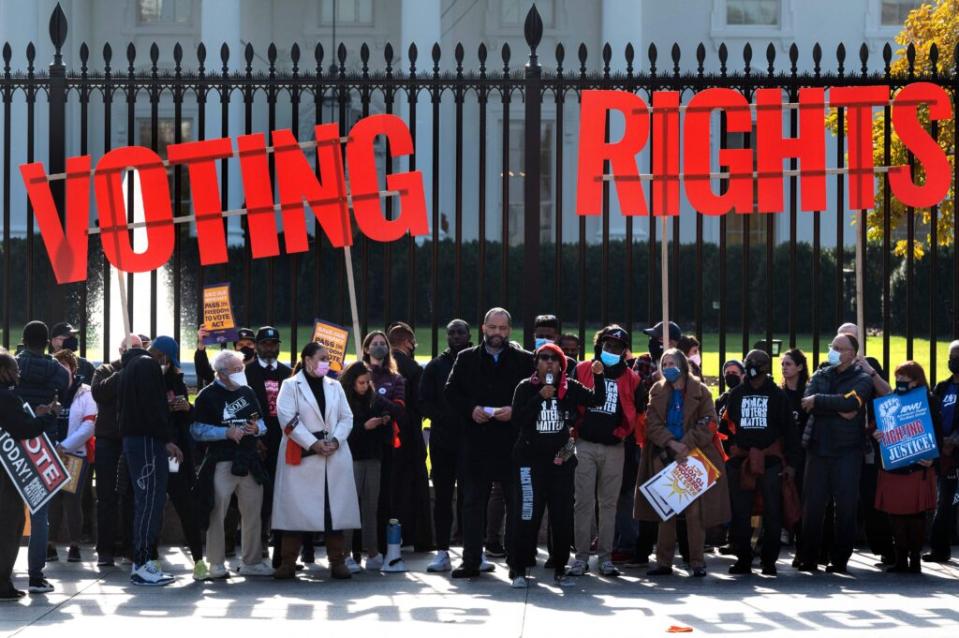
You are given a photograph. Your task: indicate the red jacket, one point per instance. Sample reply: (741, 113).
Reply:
(626, 383)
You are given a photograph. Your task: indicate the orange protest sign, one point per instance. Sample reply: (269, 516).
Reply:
(218, 314)
(335, 339)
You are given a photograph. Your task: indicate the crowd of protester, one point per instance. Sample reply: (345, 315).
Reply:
(520, 445)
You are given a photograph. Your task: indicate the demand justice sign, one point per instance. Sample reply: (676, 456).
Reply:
(906, 426)
(34, 467)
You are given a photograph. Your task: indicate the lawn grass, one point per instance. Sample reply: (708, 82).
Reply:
(710, 347)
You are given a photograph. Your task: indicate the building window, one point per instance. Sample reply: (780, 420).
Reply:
(512, 13)
(157, 12)
(762, 13)
(166, 129)
(347, 12)
(895, 12)
(517, 174)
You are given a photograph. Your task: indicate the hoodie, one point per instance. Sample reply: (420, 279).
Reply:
(42, 379)
(142, 406)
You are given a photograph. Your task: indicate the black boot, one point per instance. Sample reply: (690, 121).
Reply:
(902, 563)
(915, 563)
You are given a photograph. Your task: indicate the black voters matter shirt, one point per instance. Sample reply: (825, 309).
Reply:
(760, 417)
(544, 425)
(600, 421)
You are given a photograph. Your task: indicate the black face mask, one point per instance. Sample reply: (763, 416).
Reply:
(954, 365)
(752, 370)
(902, 387)
(248, 353)
(71, 343)
(655, 349)
(731, 380)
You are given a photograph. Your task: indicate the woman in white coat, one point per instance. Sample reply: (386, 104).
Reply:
(314, 487)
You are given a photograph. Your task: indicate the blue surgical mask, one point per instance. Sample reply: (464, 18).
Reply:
(833, 357)
(540, 342)
(609, 359)
(671, 374)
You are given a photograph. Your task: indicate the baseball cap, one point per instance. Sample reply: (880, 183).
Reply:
(267, 333)
(245, 333)
(62, 329)
(675, 333)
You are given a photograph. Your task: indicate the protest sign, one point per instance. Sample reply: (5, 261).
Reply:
(75, 466)
(677, 485)
(335, 339)
(34, 468)
(906, 427)
(218, 315)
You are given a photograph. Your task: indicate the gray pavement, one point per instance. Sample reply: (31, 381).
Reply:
(92, 602)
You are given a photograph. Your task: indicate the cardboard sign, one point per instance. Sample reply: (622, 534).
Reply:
(75, 466)
(34, 467)
(218, 315)
(906, 426)
(677, 485)
(335, 339)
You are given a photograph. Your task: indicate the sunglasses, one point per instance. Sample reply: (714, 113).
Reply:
(548, 357)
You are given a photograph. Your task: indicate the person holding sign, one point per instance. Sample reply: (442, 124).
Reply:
(18, 424)
(763, 446)
(836, 398)
(75, 428)
(42, 382)
(947, 392)
(544, 462)
(908, 493)
(681, 417)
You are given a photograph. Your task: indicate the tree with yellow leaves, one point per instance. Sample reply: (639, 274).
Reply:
(932, 30)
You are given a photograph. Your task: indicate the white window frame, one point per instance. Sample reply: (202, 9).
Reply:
(495, 26)
(164, 28)
(875, 30)
(720, 31)
(346, 25)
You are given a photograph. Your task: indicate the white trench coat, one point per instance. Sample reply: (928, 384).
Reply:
(298, 493)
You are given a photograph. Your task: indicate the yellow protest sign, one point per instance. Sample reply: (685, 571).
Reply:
(218, 314)
(335, 339)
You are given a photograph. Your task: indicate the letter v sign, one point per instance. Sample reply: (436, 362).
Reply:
(67, 243)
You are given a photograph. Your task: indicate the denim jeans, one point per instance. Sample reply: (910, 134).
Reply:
(39, 536)
(149, 469)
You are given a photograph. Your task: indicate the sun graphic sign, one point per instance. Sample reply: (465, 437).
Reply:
(677, 485)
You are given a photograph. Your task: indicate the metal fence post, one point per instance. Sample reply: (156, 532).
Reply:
(57, 124)
(532, 295)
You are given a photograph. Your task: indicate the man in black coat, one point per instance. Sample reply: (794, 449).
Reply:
(64, 336)
(446, 441)
(264, 374)
(411, 495)
(480, 389)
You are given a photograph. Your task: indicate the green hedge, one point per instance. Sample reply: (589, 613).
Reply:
(332, 302)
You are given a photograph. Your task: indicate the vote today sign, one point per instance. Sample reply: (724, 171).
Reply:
(906, 426)
(34, 467)
(685, 135)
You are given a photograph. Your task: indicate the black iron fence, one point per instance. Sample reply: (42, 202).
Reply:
(763, 291)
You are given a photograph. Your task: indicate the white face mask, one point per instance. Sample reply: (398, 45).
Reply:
(698, 360)
(238, 378)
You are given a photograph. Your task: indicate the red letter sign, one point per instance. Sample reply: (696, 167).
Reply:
(905, 120)
(155, 191)
(594, 150)
(67, 244)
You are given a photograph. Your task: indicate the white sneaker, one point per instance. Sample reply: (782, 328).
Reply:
(441, 563)
(259, 569)
(519, 582)
(485, 566)
(217, 571)
(374, 563)
(578, 568)
(608, 569)
(147, 575)
(352, 565)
